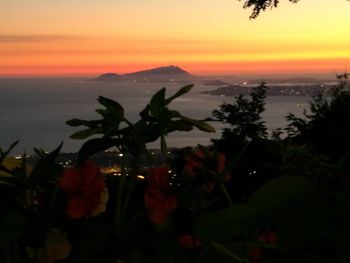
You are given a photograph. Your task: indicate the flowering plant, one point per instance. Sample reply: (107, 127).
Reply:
(193, 206)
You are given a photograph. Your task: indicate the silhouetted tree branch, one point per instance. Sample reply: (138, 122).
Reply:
(262, 5)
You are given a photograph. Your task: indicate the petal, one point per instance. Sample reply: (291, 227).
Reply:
(159, 176)
(199, 155)
(195, 164)
(256, 253)
(169, 203)
(95, 187)
(90, 171)
(188, 170)
(158, 217)
(221, 162)
(70, 180)
(153, 200)
(77, 207)
(271, 237)
(189, 241)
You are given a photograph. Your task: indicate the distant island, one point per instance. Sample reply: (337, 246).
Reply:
(168, 73)
(274, 90)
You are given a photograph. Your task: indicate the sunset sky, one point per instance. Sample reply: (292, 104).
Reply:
(89, 37)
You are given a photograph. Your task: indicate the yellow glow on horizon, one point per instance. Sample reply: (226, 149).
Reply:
(90, 37)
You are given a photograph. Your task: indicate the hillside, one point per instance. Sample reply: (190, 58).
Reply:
(168, 73)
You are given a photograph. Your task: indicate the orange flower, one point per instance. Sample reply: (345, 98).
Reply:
(84, 186)
(159, 199)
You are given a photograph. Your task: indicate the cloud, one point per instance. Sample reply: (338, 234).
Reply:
(37, 38)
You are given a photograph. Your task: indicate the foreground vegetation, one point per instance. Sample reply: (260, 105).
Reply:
(248, 197)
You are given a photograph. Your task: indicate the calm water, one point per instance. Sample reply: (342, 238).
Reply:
(35, 110)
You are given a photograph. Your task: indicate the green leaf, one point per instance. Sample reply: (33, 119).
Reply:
(11, 227)
(294, 208)
(76, 122)
(204, 127)
(179, 93)
(281, 190)
(222, 250)
(114, 107)
(5, 255)
(164, 249)
(201, 125)
(94, 146)
(46, 168)
(102, 112)
(4, 154)
(225, 224)
(4, 169)
(341, 234)
(80, 135)
(92, 241)
(173, 114)
(157, 103)
(180, 125)
(6, 183)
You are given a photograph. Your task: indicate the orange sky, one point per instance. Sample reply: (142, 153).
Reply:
(89, 37)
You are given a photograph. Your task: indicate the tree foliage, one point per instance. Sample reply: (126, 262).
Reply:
(244, 116)
(261, 5)
(325, 126)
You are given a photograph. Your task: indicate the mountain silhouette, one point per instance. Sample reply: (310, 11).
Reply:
(170, 73)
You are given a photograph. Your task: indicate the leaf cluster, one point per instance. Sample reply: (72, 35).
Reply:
(156, 121)
(27, 198)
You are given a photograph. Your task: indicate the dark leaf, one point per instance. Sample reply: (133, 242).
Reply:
(92, 242)
(5, 255)
(114, 107)
(179, 93)
(222, 250)
(281, 190)
(11, 227)
(94, 146)
(157, 103)
(76, 122)
(4, 154)
(201, 125)
(46, 168)
(180, 125)
(80, 135)
(102, 112)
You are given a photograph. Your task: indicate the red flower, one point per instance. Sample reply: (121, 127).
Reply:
(159, 199)
(221, 161)
(268, 237)
(208, 164)
(189, 241)
(84, 186)
(194, 162)
(256, 253)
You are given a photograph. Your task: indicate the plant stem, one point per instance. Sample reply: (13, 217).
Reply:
(224, 190)
(130, 187)
(119, 196)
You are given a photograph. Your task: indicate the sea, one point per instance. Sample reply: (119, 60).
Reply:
(34, 111)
